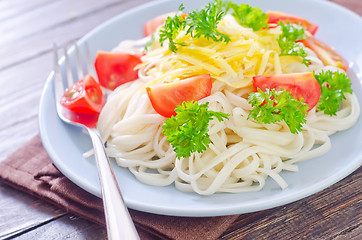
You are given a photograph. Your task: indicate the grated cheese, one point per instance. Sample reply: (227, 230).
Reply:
(235, 63)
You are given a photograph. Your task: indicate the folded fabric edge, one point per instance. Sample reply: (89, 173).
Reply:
(16, 174)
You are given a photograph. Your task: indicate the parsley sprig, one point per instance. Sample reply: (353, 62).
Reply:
(287, 41)
(203, 23)
(187, 132)
(274, 106)
(173, 26)
(333, 87)
(248, 16)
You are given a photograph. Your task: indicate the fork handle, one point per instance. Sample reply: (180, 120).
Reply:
(119, 222)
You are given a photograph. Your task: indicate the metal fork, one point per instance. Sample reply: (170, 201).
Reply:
(118, 220)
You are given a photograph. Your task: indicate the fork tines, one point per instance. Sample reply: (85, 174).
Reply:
(74, 66)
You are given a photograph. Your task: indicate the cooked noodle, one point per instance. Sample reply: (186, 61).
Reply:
(242, 153)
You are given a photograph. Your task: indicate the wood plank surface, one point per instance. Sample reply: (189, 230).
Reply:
(19, 213)
(29, 28)
(26, 61)
(327, 209)
(32, 53)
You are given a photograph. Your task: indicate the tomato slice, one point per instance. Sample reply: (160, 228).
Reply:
(116, 68)
(302, 86)
(84, 96)
(327, 55)
(275, 17)
(167, 96)
(151, 26)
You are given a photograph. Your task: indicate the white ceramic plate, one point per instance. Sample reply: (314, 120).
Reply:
(338, 27)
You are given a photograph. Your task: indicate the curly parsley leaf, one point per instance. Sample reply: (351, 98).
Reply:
(187, 132)
(171, 29)
(287, 41)
(333, 87)
(203, 23)
(274, 106)
(248, 16)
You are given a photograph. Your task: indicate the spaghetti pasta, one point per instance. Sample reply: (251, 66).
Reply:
(242, 153)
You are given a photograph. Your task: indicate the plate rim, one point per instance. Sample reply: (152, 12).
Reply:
(181, 212)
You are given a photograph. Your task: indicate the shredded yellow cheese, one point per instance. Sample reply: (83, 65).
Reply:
(235, 63)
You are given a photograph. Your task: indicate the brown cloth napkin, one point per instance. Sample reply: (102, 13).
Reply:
(30, 170)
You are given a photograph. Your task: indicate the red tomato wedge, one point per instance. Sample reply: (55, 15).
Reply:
(327, 55)
(166, 97)
(302, 86)
(275, 17)
(151, 26)
(85, 96)
(116, 68)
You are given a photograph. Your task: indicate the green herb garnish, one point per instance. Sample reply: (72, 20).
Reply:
(248, 16)
(202, 23)
(172, 28)
(287, 41)
(187, 132)
(333, 87)
(274, 106)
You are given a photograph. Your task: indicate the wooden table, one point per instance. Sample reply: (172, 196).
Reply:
(28, 30)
